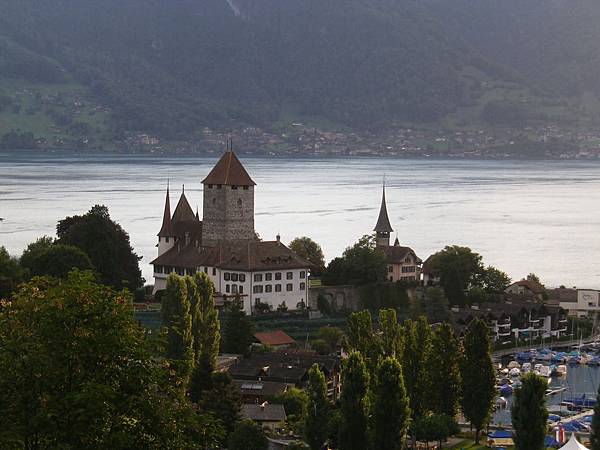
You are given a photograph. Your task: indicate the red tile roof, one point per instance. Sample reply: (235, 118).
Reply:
(274, 338)
(229, 171)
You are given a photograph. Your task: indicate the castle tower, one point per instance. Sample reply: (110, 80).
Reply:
(383, 228)
(166, 238)
(228, 204)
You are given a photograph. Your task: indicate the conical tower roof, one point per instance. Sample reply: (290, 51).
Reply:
(183, 211)
(383, 222)
(229, 171)
(166, 229)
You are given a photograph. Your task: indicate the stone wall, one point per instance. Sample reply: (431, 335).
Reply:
(228, 214)
(341, 298)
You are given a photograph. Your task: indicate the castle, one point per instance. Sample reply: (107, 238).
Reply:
(225, 246)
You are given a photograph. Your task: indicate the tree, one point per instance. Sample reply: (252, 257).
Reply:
(33, 250)
(237, 330)
(529, 413)
(58, 260)
(247, 436)
(11, 273)
(417, 348)
(435, 427)
(177, 322)
(459, 268)
(354, 405)
(361, 264)
(209, 327)
(308, 249)
(391, 336)
(90, 379)
(360, 331)
(106, 244)
(478, 377)
(391, 412)
(295, 403)
(595, 431)
(223, 400)
(436, 304)
(444, 371)
(317, 415)
(494, 280)
(332, 336)
(323, 305)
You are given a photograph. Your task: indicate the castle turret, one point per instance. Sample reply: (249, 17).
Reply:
(383, 228)
(166, 237)
(228, 204)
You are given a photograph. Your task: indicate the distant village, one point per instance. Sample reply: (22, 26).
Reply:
(544, 142)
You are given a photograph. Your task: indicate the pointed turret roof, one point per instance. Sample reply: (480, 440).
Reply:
(229, 171)
(166, 229)
(383, 222)
(183, 211)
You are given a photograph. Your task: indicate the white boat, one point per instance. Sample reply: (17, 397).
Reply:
(526, 367)
(544, 371)
(513, 365)
(515, 372)
(561, 370)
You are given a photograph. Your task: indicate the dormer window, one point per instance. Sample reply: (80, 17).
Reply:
(210, 186)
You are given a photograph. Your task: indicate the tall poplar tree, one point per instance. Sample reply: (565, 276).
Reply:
(417, 348)
(360, 331)
(391, 336)
(444, 371)
(317, 414)
(237, 329)
(194, 301)
(354, 404)
(178, 323)
(209, 332)
(478, 378)
(390, 406)
(529, 413)
(595, 433)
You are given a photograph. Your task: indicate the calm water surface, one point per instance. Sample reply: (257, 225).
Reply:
(522, 216)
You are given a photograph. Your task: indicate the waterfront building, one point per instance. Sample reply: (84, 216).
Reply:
(527, 287)
(403, 262)
(586, 304)
(225, 246)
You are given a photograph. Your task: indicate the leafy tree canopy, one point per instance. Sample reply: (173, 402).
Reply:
(11, 273)
(89, 379)
(58, 260)
(361, 264)
(106, 244)
(247, 436)
(308, 249)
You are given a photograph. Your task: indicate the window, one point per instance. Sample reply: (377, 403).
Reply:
(302, 274)
(278, 276)
(180, 271)
(277, 288)
(289, 275)
(157, 268)
(214, 271)
(240, 289)
(256, 301)
(257, 289)
(219, 186)
(242, 277)
(234, 277)
(289, 287)
(268, 276)
(234, 288)
(206, 270)
(268, 288)
(245, 188)
(257, 277)
(408, 269)
(390, 269)
(210, 186)
(167, 239)
(168, 269)
(407, 259)
(303, 286)
(234, 187)
(191, 271)
(226, 276)
(227, 288)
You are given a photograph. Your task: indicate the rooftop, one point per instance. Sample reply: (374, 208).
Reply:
(274, 338)
(229, 171)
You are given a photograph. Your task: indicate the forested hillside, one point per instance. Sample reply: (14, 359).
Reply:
(171, 68)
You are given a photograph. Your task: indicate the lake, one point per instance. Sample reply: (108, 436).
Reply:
(522, 216)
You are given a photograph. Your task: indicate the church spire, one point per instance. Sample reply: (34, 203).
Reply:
(383, 228)
(166, 229)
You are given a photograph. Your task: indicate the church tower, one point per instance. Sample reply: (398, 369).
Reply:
(383, 228)
(228, 204)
